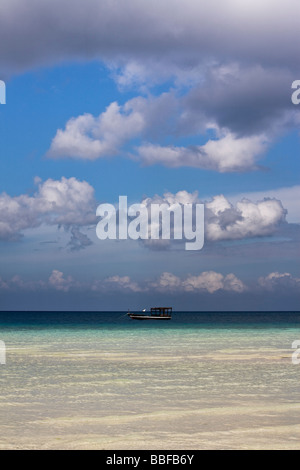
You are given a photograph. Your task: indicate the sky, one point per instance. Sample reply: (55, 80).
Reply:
(164, 102)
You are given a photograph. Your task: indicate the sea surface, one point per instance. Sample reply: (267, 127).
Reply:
(99, 380)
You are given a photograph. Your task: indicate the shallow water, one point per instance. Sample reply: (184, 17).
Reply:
(103, 381)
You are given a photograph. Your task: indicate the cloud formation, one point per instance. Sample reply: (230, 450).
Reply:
(78, 239)
(245, 220)
(122, 282)
(226, 221)
(175, 35)
(89, 137)
(276, 280)
(204, 282)
(235, 84)
(71, 203)
(209, 281)
(67, 202)
(58, 282)
(289, 197)
(237, 131)
(226, 154)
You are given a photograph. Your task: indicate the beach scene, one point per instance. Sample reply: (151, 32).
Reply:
(149, 225)
(102, 381)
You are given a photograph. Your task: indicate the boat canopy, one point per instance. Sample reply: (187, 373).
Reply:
(161, 311)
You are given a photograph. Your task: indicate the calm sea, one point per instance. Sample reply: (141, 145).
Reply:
(204, 380)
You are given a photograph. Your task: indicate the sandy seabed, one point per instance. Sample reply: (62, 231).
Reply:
(118, 392)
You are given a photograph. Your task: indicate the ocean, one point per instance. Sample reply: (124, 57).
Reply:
(99, 380)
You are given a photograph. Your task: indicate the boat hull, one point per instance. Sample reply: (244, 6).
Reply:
(148, 317)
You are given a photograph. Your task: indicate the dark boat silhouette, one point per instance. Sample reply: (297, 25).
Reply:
(156, 313)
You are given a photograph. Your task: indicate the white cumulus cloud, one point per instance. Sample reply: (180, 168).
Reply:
(208, 281)
(276, 280)
(90, 137)
(226, 154)
(227, 221)
(58, 282)
(246, 219)
(67, 202)
(123, 283)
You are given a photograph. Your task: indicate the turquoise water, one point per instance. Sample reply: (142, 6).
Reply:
(101, 380)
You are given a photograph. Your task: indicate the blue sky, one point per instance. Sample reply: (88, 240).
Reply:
(145, 103)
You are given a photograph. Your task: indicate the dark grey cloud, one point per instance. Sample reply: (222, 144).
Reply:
(171, 33)
(78, 240)
(246, 100)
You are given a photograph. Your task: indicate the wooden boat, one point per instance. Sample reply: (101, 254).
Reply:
(156, 313)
